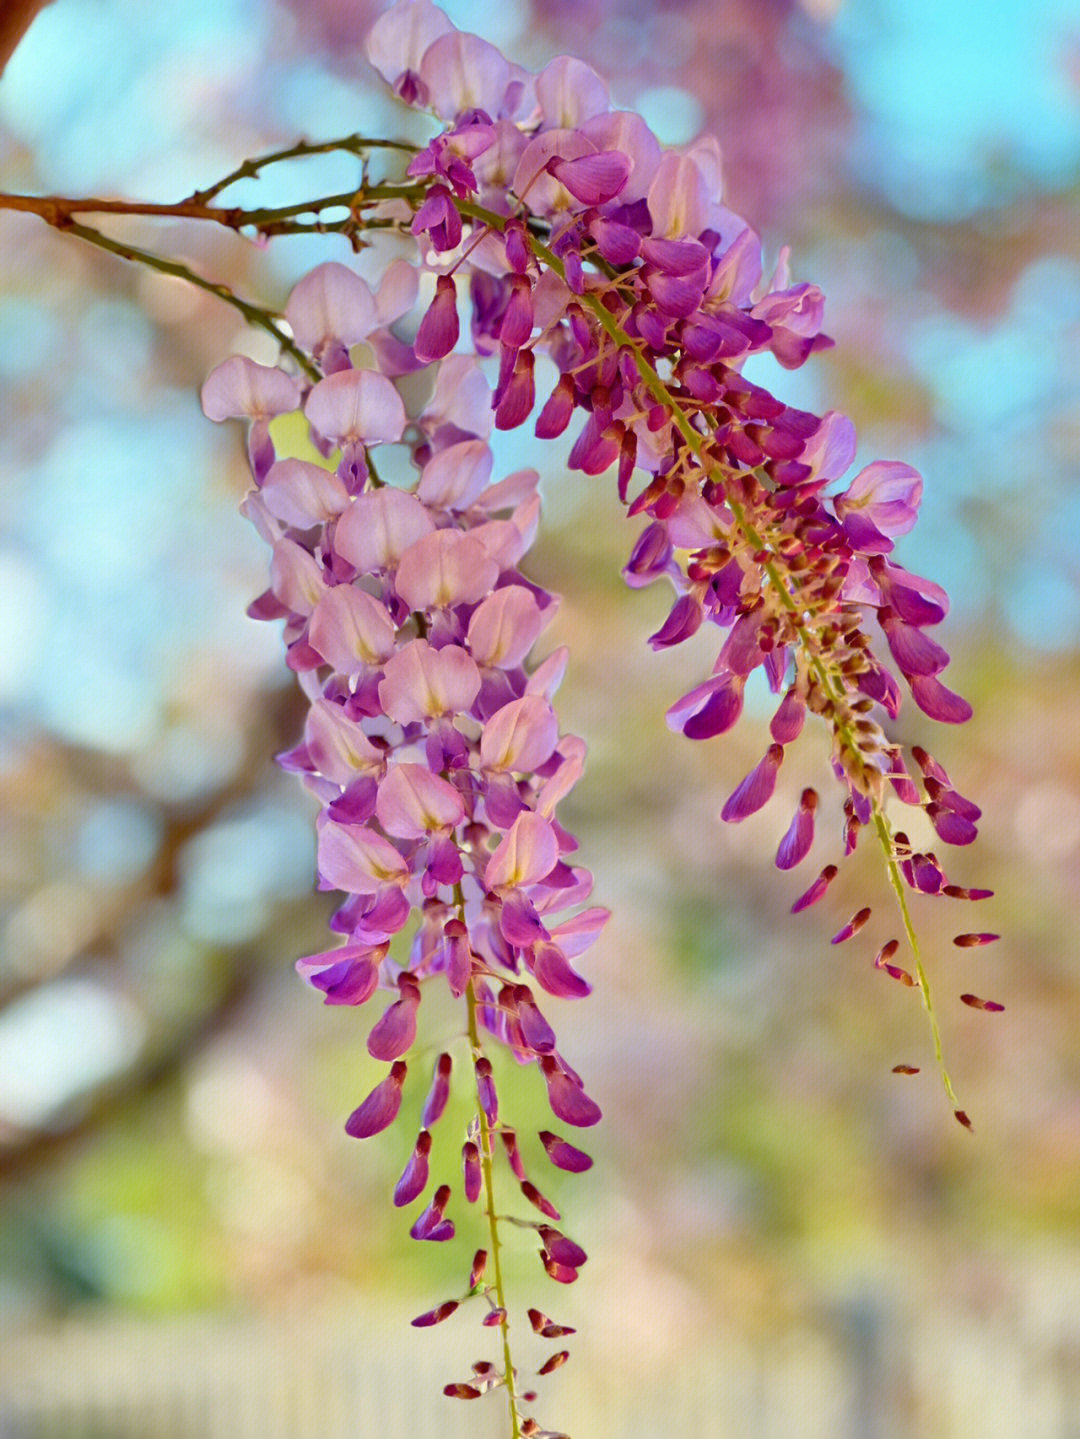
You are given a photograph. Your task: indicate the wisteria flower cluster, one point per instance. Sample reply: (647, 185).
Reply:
(558, 226)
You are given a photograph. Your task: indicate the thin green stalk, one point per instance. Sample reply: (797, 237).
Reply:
(254, 314)
(249, 169)
(488, 1167)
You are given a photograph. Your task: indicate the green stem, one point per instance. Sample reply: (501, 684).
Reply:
(249, 169)
(698, 443)
(254, 314)
(488, 1167)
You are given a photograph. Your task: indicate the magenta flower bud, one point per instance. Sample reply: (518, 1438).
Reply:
(786, 724)
(564, 1155)
(938, 702)
(470, 1159)
(380, 1108)
(953, 828)
(517, 320)
(350, 981)
(561, 1249)
(543, 1326)
(558, 409)
(795, 845)
(562, 1274)
(710, 709)
(432, 1224)
(394, 1033)
(485, 1091)
(816, 890)
(516, 404)
(458, 959)
(756, 789)
(568, 1100)
(439, 1092)
(479, 1265)
(436, 1315)
(854, 924)
(439, 329)
(535, 1030)
(513, 1153)
(914, 652)
(414, 1177)
(683, 621)
(533, 1195)
(971, 941)
(554, 973)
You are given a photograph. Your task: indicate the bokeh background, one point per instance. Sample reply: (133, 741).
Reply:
(786, 1238)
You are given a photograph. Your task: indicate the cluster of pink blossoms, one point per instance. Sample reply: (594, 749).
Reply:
(582, 236)
(433, 748)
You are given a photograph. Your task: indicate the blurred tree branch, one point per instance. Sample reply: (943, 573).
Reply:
(16, 17)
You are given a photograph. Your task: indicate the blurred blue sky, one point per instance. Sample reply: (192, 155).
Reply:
(960, 106)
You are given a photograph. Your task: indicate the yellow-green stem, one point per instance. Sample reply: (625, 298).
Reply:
(487, 1166)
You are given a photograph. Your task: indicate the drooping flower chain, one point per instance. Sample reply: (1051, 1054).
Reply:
(583, 237)
(435, 754)
(433, 749)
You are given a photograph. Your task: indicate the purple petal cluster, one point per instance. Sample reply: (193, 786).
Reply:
(583, 237)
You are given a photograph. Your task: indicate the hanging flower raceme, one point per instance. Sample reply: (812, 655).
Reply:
(620, 260)
(433, 748)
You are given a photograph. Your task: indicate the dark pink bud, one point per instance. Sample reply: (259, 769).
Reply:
(561, 1273)
(518, 254)
(517, 401)
(414, 1177)
(816, 890)
(394, 1033)
(438, 332)
(533, 1195)
(458, 958)
(953, 828)
(709, 709)
(485, 1090)
(555, 974)
(756, 789)
(555, 416)
(349, 982)
(854, 924)
(882, 961)
(490, 1320)
(513, 1154)
(786, 724)
(479, 1264)
(380, 1108)
(543, 1326)
(439, 1092)
(796, 843)
(517, 320)
(555, 1362)
(564, 1155)
(461, 1391)
(914, 652)
(435, 1316)
(470, 1160)
(990, 1005)
(956, 891)
(971, 941)
(944, 795)
(929, 765)
(431, 1224)
(926, 873)
(618, 244)
(683, 621)
(568, 1100)
(535, 1030)
(561, 1249)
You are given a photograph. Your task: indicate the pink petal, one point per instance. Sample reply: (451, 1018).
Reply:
(303, 494)
(239, 387)
(504, 627)
(569, 91)
(678, 198)
(463, 72)
(399, 37)
(526, 855)
(709, 709)
(568, 1100)
(795, 845)
(554, 972)
(353, 858)
(456, 477)
(379, 527)
(413, 1182)
(938, 702)
(296, 577)
(422, 683)
(338, 747)
(351, 630)
(356, 407)
(446, 567)
(330, 303)
(564, 1155)
(393, 1034)
(593, 179)
(520, 736)
(413, 802)
(381, 1107)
